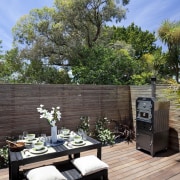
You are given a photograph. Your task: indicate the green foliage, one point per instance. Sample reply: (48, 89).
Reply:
(4, 153)
(61, 32)
(102, 65)
(141, 41)
(4, 157)
(169, 33)
(145, 59)
(11, 66)
(173, 94)
(140, 79)
(153, 62)
(15, 70)
(106, 137)
(123, 131)
(102, 132)
(36, 72)
(73, 34)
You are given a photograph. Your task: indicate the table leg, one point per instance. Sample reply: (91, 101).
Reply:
(99, 153)
(9, 167)
(77, 155)
(70, 157)
(13, 171)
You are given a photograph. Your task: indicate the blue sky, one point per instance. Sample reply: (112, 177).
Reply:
(147, 14)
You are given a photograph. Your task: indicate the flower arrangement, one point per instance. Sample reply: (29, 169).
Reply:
(52, 116)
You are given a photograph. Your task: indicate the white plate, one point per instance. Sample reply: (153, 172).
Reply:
(34, 151)
(64, 136)
(82, 143)
(27, 141)
(30, 141)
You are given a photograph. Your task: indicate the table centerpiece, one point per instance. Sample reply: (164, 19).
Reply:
(53, 116)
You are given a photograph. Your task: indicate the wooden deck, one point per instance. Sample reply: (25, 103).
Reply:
(127, 163)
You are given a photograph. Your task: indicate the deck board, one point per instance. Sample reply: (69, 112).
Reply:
(127, 163)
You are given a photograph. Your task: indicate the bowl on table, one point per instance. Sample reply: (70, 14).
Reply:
(15, 147)
(30, 137)
(38, 145)
(77, 139)
(65, 132)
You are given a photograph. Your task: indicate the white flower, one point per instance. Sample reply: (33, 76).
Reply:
(52, 116)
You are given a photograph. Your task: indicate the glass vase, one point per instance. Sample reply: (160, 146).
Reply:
(53, 134)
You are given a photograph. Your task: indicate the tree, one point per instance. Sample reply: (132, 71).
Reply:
(61, 33)
(132, 58)
(169, 33)
(13, 69)
(11, 66)
(36, 72)
(141, 41)
(105, 65)
(153, 62)
(151, 66)
(146, 57)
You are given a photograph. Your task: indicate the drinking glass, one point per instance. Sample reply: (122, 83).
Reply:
(25, 134)
(43, 138)
(80, 132)
(21, 137)
(84, 135)
(71, 136)
(59, 131)
(48, 141)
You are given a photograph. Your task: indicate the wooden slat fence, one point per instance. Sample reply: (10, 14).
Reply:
(18, 103)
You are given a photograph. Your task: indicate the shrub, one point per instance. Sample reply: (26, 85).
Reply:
(4, 157)
(124, 131)
(103, 133)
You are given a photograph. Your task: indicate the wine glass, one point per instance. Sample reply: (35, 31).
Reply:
(80, 132)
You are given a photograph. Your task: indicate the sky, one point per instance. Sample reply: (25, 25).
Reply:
(147, 14)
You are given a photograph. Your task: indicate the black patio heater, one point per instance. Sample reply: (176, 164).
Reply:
(152, 122)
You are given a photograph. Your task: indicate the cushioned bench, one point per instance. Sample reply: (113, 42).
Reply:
(83, 168)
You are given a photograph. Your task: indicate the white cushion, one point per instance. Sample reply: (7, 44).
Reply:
(45, 173)
(89, 164)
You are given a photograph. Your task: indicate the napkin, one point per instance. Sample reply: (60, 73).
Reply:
(59, 142)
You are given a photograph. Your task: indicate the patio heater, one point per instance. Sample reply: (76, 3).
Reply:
(152, 122)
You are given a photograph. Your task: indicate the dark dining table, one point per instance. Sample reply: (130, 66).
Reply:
(16, 159)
